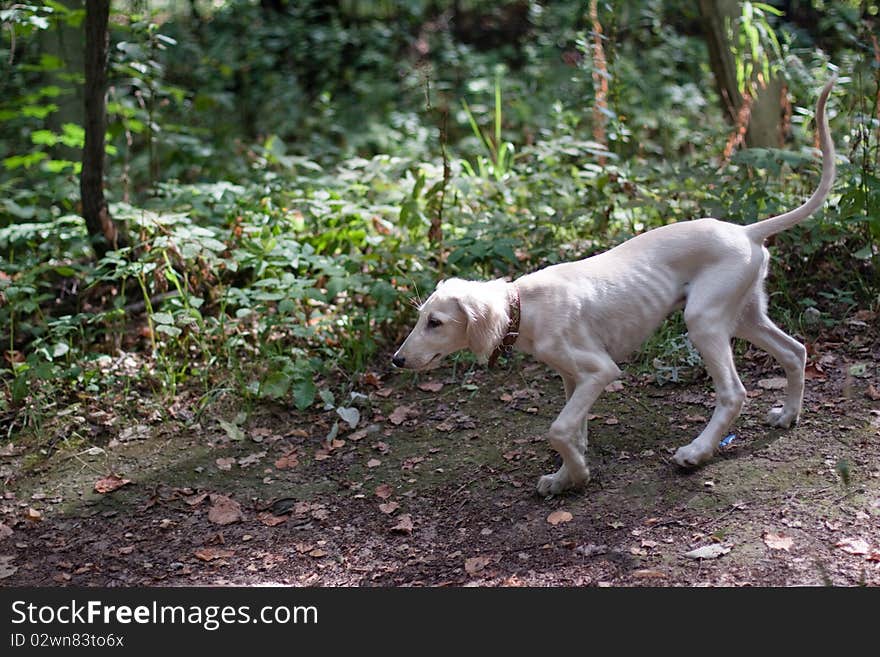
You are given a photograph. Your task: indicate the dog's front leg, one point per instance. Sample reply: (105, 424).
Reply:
(568, 433)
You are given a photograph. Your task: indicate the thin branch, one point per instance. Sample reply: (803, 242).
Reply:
(600, 81)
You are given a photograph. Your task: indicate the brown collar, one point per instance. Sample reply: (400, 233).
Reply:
(512, 328)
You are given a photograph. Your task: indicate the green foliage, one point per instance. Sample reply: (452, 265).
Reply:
(500, 153)
(277, 174)
(757, 51)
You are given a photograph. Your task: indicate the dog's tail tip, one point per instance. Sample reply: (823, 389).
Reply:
(763, 229)
(831, 81)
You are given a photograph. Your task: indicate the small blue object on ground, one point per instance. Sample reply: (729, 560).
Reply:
(727, 440)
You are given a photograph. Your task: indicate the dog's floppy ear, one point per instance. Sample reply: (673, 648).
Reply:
(486, 307)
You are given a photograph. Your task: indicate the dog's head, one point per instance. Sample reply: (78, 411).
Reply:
(458, 315)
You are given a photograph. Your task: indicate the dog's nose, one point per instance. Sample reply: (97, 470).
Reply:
(398, 361)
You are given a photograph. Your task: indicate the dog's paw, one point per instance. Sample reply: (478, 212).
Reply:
(552, 485)
(690, 456)
(779, 417)
(558, 482)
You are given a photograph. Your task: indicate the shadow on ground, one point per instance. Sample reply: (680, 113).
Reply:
(435, 486)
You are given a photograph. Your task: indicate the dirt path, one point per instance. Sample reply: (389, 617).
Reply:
(435, 486)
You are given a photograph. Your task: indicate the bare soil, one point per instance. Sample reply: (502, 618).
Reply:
(435, 486)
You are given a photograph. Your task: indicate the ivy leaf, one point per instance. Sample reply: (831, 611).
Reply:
(350, 414)
(304, 394)
(232, 430)
(173, 331)
(275, 385)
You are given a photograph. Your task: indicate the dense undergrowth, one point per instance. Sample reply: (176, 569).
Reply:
(277, 183)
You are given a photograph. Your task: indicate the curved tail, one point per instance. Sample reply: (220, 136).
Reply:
(764, 229)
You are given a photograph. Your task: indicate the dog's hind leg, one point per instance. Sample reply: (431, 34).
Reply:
(756, 327)
(707, 332)
(569, 382)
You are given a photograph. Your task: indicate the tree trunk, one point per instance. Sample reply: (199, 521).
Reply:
(764, 116)
(765, 127)
(102, 230)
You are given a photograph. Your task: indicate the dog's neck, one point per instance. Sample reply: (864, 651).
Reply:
(514, 312)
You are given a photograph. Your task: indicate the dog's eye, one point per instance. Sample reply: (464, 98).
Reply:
(434, 323)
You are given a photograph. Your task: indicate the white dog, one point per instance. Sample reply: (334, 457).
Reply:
(580, 317)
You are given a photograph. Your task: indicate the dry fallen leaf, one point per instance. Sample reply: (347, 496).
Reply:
(612, 420)
(224, 510)
(212, 553)
(374, 463)
(776, 383)
(288, 460)
(13, 356)
(404, 524)
(225, 463)
(110, 483)
(614, 386)
(5, 532)
(708, 552)
(384, 491)
(646, 573)
(873, 392)
(10, 450)
(250, 459)
(270, 519)
(389, 507)
(195, 500)
(370, 379)
(558, 517)
(259, 434)
(317, 553)
(446, 425)
(6, 567)
(813, 371)
(476, 564)
(400, 414)
(411, 463)
(778, 541)
(431, 386)
(854, 546)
